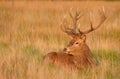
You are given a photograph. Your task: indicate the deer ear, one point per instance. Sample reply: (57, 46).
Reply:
(83, 37)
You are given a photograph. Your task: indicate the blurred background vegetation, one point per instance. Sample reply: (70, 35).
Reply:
(29, 30)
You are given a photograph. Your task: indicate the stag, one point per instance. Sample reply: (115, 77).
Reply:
(76, 55)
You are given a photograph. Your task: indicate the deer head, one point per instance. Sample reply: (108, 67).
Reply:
(78, 37)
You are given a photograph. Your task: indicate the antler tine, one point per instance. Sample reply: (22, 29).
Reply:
(66, 30)
(78, 15)
(80, 31)
(91, 20)
(91, 25)
(71, 16)
(74, 19)
(64, 27)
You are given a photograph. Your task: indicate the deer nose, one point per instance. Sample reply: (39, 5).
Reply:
(64, 49)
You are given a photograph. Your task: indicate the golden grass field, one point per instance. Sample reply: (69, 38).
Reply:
(29, 30)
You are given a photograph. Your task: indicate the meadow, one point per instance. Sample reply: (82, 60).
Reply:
(29, 30)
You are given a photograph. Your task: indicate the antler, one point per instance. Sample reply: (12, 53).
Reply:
(91, 25)
(74, 19)
(66, 29)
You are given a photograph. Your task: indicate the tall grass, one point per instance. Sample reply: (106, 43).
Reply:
(27, 33)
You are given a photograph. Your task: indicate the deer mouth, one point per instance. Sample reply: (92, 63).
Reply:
(69, 52)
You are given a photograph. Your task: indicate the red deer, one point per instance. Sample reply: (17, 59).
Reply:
(76, 55)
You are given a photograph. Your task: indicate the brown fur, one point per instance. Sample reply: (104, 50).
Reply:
(60, 59)
(74, 57)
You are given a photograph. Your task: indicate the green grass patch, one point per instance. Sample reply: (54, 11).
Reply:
(113, 34)
(4, 47)
(111, 55)
(31, 52)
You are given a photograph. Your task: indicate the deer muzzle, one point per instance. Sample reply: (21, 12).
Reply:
(66, 50)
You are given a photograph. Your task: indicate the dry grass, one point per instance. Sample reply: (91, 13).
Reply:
(29, 30)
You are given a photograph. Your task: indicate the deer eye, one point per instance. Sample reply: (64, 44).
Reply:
(77, 43)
